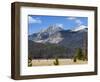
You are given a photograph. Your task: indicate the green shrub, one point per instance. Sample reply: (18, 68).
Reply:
(56, 62)
(29, 61)
(74, 59)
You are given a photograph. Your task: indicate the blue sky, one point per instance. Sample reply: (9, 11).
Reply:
(39, 22)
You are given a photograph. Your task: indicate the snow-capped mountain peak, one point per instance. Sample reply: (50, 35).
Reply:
(82, 27)
(53, 28)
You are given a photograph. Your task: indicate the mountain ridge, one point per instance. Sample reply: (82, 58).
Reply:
(53, 34)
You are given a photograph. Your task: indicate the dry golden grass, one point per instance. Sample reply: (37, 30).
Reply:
(50, 62)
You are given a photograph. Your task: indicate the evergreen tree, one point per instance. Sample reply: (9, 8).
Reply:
(79, 55)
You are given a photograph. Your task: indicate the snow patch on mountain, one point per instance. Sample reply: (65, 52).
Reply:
(82, 27)
(50, 40)
(53, 28)
(55, 40)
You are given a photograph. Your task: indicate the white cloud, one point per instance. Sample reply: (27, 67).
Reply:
(71, 18)
(34, 20)
(77, 21)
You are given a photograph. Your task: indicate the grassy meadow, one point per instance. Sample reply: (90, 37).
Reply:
(51, 62)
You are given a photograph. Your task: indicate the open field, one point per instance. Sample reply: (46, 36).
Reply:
(50, 62)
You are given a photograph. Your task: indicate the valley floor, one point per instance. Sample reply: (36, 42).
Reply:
(50, 62)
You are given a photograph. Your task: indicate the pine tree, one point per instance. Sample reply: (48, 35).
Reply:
(79, 54)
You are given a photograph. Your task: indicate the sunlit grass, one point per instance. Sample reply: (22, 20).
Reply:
(50, 62)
